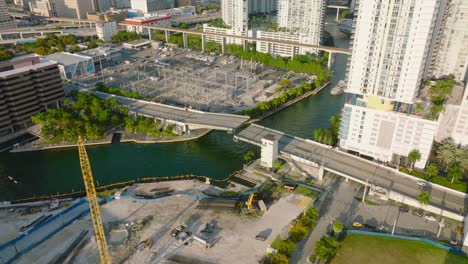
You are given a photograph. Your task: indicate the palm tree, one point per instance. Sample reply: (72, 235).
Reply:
(455, 172)
(424, 197)
(432, 170)
(446, 153)
(464, 159)
(337, 226)
(413, 157)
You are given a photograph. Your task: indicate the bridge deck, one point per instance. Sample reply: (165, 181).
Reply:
(355, 167)
(189, 117)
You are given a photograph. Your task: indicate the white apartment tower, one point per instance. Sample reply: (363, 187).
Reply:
(5, 20)
(391, 43)
(450, 55)
(62, 8)
(106, 30)
(304, 22)
(306, 18)
(236, 15)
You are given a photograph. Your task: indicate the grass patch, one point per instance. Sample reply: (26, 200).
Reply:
(444, 181)
(366, 201)
(367, 249)
(305, 191)
(230, 194)
(106, 193)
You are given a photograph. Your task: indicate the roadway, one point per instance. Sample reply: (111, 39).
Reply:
(243, 38)
(363, 170)
(193, 119)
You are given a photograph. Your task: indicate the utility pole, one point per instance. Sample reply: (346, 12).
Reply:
(365, 190)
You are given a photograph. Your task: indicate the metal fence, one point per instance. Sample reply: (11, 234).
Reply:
(13, 249)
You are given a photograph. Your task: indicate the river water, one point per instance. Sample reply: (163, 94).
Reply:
(215, 155)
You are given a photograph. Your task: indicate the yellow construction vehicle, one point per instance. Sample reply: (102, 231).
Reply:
(249, 202)
(93, 203)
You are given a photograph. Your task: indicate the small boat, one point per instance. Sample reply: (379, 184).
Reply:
(339, 88)
(11, 178)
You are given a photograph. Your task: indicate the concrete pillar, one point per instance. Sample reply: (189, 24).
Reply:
(223, 46)
(149, 34)
(1, 37)
(167, 35)
(320, 173)
(207, 180)
(337, 14)
(42, 33)
(185, 40)
(245, 44)
(203, 42)
(330, 60)
(269, 48)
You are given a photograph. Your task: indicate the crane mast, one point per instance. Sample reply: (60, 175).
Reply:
(93, 203)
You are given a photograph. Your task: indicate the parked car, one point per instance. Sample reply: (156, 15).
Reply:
(430, 218)
(357, 224)
(422, 183)
(382, 228)
(369, 226)
(453, 242)
(403, 208)
(418, 212)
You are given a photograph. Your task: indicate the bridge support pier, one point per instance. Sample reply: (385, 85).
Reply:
(330, 60)
(320, 173)
(337, 14)
(245, 44)
(203, 42)
(184, 38)
(166, 32)
(223, 46)
(149, 34)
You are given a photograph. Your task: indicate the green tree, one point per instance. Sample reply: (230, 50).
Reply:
(337, 226)
(248, 156)
(279, 258)
(284, 83)
(5, 54)
(277, 165)
(286, 247)
(310, 217)
(183, 25)
(432, 170)
(326, 248)
(413, 157)
(298, 232)
(446, 154)
(424, 197)
(455, 172)
(92, 45)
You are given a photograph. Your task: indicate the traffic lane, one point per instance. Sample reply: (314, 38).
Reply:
(360, 169)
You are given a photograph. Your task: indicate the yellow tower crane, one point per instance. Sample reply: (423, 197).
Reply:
(93, 203)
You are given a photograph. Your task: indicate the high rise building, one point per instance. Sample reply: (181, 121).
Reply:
(236, 15)
(27, 86)
(450, 55)
(5, 19)
(106, 30)
(301, 21)
(62, 8)
(148, 6)
(391, 43)
(102, 5)
(121, 4)
(262, 6)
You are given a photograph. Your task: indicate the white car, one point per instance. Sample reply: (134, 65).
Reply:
(422, 184)
(430, 218)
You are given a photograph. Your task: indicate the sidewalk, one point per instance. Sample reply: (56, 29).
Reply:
(334, 203)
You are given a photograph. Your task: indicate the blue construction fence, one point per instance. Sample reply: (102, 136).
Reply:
(422, 239)
(13, 249)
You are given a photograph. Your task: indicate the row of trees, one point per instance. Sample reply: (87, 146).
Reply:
(124, 36)
(5, 54)
(329, 136)
(300, 63)
(117, 91)
(89, 117)
(285, 248)
(53, 43)
(287, 95)
(438, 95)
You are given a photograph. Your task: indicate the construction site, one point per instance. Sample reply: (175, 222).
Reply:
(178, 221)
(198, 80)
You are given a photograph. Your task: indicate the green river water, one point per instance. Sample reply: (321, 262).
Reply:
(215, 155)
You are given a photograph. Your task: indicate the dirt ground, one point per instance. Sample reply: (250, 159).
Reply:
(235, 234)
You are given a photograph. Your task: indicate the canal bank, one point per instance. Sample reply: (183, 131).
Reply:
(215, 155)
